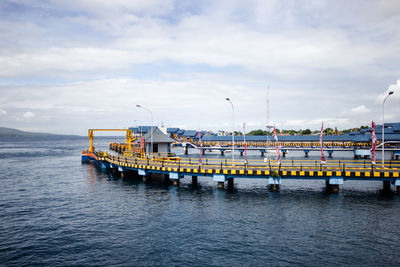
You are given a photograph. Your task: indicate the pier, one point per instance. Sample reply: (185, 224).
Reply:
(131, 158)
(334, 173)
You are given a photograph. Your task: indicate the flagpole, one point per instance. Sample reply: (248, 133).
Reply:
(323, 161)
(201, 148)
(245, 145)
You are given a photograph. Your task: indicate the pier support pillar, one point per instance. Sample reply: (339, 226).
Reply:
(330, 155)
(283, 154)
(176, 182)
(332, 184)
(103, 167)
(306, 154)
(241, 153)
(262, 154)
(221, 185)
(220, 178)
(274, 184)
(143, 173)
(123, 175)
(230, 183)
(386, 186)
(203, 151)
(331, 188)
(194, 180)
(166, 178)
(186, 150)
(274, 187)
(398, 190)
(222, 152)
(334, 188)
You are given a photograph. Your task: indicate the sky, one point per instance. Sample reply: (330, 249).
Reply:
(67, 66)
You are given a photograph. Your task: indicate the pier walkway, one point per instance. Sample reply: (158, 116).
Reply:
(334, 172)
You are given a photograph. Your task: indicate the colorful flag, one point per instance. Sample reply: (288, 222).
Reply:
(201, 147)
(278, 154)
(323, 161)
(245, 145)
(373, 138)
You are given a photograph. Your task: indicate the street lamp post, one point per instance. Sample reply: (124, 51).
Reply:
(151, 127)
(233, 131)
(383, 129)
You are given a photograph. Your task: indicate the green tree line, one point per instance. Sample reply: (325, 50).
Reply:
(327, 131)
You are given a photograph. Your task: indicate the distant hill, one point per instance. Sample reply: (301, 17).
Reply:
(10, 132)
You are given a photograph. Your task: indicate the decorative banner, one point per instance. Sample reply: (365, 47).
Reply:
(201, 147)
(323, 161)
(245, 145)
(141, 142)
(373, 138)
(278, 154)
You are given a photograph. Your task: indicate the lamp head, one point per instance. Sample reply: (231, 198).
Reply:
(391, 92)
(139, 106)
(227, 99)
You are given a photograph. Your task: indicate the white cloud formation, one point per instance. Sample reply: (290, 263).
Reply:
(316, 123)
(28, 115)
(197, 39)
(360, 109)
(395, 88)
(89, 62)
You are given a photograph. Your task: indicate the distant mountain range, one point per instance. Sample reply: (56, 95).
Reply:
(10, 132)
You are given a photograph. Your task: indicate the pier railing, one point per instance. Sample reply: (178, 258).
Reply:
(285, 165)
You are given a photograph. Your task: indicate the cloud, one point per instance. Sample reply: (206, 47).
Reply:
(395, 88)
(360, 109)
(28, 115)
(2, 112)
(75, 63)
(316, 123)
(205, 38)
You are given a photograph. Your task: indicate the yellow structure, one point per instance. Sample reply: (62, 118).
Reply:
(129, 137)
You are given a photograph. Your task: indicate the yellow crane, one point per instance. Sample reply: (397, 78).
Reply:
(128, 136)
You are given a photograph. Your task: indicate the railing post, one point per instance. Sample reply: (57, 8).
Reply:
(364, 163)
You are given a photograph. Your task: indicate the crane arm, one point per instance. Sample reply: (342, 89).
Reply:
(128, 136)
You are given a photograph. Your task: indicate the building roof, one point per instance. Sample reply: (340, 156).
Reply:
(141, 129)
(172, 130)
(191, 133)
(158, 136)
